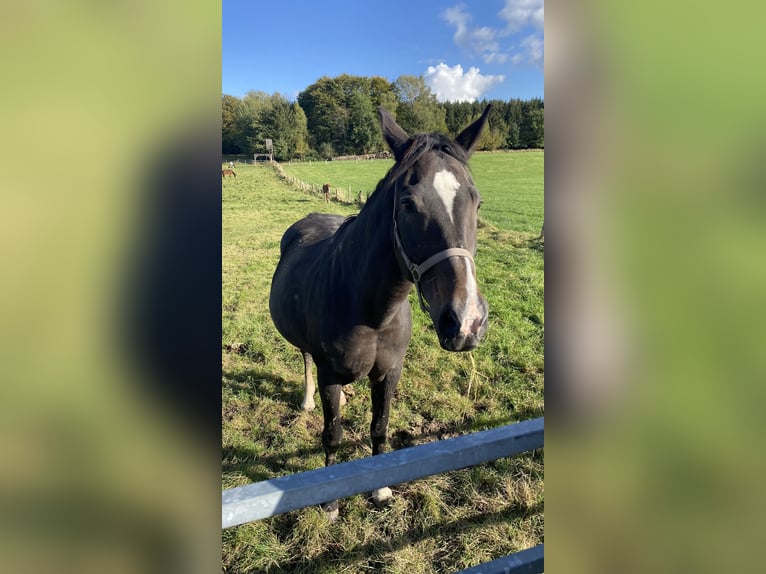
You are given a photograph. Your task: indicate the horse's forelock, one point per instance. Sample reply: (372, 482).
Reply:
(421, 144)
(424, 143)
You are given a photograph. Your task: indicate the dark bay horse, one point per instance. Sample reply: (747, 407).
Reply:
(339, 293)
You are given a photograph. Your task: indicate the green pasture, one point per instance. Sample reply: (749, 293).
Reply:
(511, 184)
(439, 524)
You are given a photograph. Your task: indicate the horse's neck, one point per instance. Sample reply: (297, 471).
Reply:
(378, 277)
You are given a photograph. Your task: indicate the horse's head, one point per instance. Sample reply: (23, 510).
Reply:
(435, 205)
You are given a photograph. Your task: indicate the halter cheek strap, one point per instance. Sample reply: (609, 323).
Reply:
(417, 271)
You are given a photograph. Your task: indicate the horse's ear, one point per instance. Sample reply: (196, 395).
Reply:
(469, 137)
(395, 136)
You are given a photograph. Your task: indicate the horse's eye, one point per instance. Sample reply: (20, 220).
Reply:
(408, 204)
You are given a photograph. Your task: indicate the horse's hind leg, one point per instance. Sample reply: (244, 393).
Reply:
(309, 387)
(382, 393)
(308, 383)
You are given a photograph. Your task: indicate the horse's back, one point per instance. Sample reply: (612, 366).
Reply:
(311, 229)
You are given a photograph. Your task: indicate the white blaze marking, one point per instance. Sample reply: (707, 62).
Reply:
(446, 185)
(471, 299)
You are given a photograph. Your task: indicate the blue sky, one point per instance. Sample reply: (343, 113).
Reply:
(467, 50)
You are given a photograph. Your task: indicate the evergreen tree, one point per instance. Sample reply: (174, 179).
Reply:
(231, 143)
(532, 129)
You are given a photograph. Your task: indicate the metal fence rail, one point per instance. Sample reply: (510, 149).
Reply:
(286, 493)
(276, 496)
(528, 561)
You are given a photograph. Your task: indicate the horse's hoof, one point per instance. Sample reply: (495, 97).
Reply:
(331, 511)
(308, 407)
(382, 497)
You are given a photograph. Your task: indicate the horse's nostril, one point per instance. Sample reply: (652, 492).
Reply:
(449, 325)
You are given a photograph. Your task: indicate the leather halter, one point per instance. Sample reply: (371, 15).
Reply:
(417, 271)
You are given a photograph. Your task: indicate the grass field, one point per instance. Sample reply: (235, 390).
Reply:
(440, 524)
(510, 183)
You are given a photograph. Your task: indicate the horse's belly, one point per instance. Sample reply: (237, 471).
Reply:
(294, 301)
(288, 314)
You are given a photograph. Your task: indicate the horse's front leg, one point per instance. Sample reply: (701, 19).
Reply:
(330, 393)
(382, 392)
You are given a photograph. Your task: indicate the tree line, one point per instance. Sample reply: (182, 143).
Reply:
(337, 116)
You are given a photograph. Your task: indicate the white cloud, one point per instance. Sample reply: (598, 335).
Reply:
(517, 18)
(481, 40)
(451, 84)
(521, 13)
(533, 51)
(498, 57)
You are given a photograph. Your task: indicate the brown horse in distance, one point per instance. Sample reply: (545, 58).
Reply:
(326, 191)
(225, 172)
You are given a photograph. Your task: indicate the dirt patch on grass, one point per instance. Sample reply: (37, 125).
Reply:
(425, 433)
(243, 349)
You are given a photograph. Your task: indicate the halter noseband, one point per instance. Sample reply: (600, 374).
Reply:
(417, 271)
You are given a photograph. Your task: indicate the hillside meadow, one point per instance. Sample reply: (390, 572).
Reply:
(438, 524)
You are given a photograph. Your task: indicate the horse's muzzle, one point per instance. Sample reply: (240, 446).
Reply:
(462, 331)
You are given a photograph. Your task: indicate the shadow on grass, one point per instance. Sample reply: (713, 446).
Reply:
(262, 382)
(537, 244)
(239, 459)
(250, 462)
(404, 438)
(257, 467)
